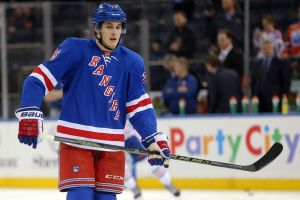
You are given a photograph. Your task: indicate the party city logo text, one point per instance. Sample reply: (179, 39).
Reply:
(256, 140)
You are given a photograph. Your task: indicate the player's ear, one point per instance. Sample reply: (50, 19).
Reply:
(97, 31)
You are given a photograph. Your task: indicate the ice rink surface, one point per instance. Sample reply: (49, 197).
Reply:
(52, 194)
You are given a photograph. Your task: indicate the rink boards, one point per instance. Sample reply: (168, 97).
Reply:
(235, 139)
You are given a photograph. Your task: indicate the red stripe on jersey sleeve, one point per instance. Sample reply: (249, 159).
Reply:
(90, 134)
(48, 83)
(142, 103)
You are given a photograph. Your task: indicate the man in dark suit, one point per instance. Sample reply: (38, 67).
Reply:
(229, 55)
(181, 39)
(270, 76)
(228, 18)
(222, 85)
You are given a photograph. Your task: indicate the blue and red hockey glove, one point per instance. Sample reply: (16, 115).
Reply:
(30, 125)
(158, 142)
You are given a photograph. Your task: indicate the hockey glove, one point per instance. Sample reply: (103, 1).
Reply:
(158, 143)
(30, 125)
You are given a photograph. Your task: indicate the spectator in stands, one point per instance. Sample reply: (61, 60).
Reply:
(208, 12)
(291, 49)
(292, 40)
(181, 89)
(158, 73)
(270, 33)
(169, 62)
(229, 55)
(21, 24)
(181, 40)
(187, 6)
(270, 76)
(156, 49)
(229, 18)
(223, 84)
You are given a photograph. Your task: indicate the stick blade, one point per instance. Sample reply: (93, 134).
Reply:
(271, 155)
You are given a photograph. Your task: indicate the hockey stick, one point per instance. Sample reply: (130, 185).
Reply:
(266, 159)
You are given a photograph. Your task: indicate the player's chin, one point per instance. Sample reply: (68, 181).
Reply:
(112, 46)
(113, 43)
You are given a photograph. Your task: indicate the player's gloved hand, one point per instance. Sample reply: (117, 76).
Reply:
(158, 142)
(30, 125)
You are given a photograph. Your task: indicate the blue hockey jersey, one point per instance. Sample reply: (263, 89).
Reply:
(100, 90)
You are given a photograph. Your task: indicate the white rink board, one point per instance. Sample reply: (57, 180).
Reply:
(18, 160)
(235, 129)
(228, 142)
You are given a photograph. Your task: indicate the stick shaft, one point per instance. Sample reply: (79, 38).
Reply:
(263, 162)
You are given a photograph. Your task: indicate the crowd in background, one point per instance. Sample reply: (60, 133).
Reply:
(210, 85)
(223, 74)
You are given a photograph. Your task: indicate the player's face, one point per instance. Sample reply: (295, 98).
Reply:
(111, 32)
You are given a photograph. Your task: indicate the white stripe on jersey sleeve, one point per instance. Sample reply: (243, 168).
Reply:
(48, 74)
(133, 102)
(139, 109)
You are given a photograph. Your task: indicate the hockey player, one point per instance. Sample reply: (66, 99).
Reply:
(103, 83)
(132, 140)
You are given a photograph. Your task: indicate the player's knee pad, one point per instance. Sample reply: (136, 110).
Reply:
(105, 196)
(79, 193)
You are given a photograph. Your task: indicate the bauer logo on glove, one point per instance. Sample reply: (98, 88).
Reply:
(30, 125)
(32, 114)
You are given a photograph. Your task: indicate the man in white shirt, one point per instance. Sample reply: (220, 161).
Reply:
(228, 55)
